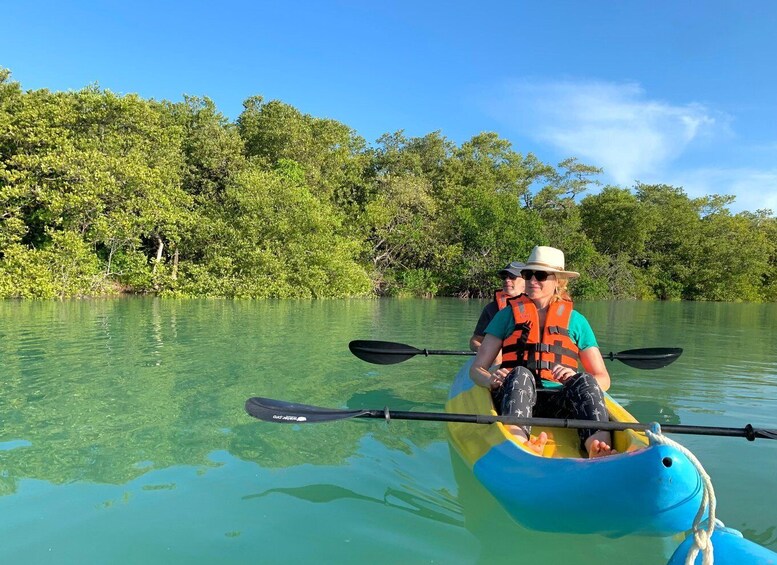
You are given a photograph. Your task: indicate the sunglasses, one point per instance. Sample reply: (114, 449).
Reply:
(540, 276)
(511, 277)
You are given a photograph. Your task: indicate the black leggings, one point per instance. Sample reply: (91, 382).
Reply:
(580, 398)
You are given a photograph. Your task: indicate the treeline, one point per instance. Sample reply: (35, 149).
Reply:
(103, 194)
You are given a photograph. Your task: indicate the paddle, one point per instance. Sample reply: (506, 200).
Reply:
(281, 412)
(388, 353)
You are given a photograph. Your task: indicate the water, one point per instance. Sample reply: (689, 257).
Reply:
(124, 437)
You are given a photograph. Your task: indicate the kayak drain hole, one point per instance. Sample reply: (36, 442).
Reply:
(667, 461)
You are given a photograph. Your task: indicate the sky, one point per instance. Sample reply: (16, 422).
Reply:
(680, 92)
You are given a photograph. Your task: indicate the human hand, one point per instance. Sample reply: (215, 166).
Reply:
(498, 378)
(562, 374)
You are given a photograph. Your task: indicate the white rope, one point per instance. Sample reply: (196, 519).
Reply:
(702, 538)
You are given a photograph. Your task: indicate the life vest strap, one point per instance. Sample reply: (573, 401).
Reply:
(533, 365)
(549, 348)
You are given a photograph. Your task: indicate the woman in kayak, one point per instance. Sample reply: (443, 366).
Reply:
(543, 339)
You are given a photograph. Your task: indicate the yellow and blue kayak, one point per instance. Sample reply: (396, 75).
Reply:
(643, 489)
(729, 547)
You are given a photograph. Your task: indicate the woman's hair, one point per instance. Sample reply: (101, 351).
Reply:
(561, 290)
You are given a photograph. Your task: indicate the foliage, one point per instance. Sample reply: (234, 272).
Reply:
(67, 268)
(286, 244)
(105, 193)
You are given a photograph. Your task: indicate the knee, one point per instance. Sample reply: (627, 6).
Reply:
(520, 383)
(584, 382)
(521, 378)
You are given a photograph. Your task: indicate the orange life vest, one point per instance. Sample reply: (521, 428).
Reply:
(525, 346)
(501, 298)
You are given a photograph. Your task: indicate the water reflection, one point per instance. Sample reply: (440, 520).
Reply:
(767, 537)
(417, 504)
(650, 411)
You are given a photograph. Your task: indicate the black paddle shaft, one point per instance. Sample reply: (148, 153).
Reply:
(281, 412)
(389, 353)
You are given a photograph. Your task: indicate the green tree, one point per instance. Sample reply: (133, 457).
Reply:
(616, 222)
(735, 257)
(102, 166)
(672, 250)
(400, 212)
(765, 222)
(400, 216)
(485, 225)
(619, 226)
(555, 203)
(332, 155)
(213, 153)
(12, 198)
(273, 238)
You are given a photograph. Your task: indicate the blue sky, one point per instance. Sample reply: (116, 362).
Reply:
(680, 92)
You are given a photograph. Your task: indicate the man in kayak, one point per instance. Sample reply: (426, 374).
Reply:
(543, 339)
(512, 285)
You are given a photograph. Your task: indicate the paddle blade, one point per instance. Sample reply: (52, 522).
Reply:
(648, 358)
(282, 412)
(382, 352)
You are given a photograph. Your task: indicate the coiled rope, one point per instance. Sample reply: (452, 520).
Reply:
(702, 536)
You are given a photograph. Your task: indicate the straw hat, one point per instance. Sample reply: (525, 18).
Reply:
(550, 260)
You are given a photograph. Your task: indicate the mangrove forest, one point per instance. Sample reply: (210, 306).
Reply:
(103, 194)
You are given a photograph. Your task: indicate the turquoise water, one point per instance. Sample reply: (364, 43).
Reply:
(124, 437)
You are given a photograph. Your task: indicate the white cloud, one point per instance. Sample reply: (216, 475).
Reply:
(754, 189)
(614, 126)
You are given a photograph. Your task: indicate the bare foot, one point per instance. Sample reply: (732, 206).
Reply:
(600, 449)
(537, 443)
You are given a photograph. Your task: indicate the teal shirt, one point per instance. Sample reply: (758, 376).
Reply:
(580, 330)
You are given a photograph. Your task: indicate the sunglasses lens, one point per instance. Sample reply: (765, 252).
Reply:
(540, 276)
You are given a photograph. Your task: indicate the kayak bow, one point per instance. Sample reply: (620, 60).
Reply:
(644, 489)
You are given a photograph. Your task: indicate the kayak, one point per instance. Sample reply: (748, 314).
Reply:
(647, 489)
(729, 547)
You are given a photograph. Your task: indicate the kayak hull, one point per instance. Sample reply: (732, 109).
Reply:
(729, 547)
(644, 489)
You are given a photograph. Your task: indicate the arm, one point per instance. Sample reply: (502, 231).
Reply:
(474, 344)
(485, 318)
(480, 372)
(593, 363)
